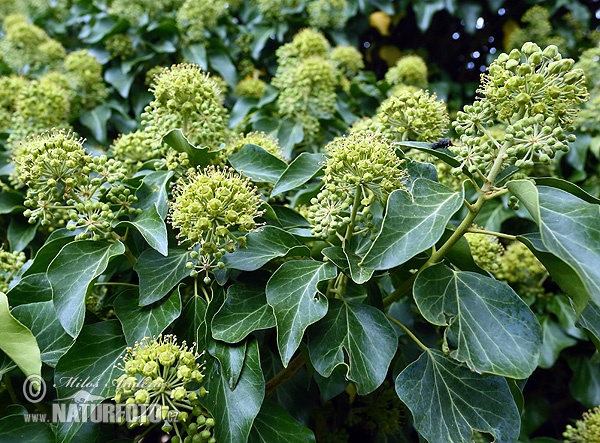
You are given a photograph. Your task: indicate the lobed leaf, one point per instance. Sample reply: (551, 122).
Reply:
(360, 332)
(448, 401)
(293, 295)
(412, 223)
(489, 327)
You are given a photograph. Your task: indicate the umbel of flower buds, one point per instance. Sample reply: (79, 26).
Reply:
(535, 94)
(164, 376)
(361, 169)
(210, 206)
(65, 183)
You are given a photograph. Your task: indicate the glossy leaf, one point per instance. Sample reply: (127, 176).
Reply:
(70, 274)
(15, 428)
(489, 327)
(95, 120)
(448, 401)
(590, 320)
(196, 54)
(564, 275)
(152, 227)
(412, 223)
(245, 310)
(20, 233)
(31, 289)
(153, 192)
(360, 332)
(299, 171)
(293, 295)
(569, 229)
(198, 155)
(17, 341)
(348, 262)
(273, 423)
(87, 370)
(263, 246)
(145, 321)
(235, 410)
(254, 162)
(554, 341)
(159, 274)
(42, 321)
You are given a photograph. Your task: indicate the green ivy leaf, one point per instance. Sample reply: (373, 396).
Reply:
(273, 423)
(293, 295)
(42, 321)
(152, 227)
(564, 275)
(15, 428)
(489, 327)
(199, 156)
(18, 342)
(554, 341)
(585, 383)
(95, 120)
(219, 60)
(88, 369)
(31, 289)
(590, 320)
(412, 223)
(245, 310)
(145, 321)
(159, 274)
(70, 274)
(121, 81)
(263, 246)
(153, 192)
(46, 254)
(348, 262)
(196, 54)
(254, 162)
(235, 410)
(299, 171)
(10, 201)
(569, 229)
(448, 402)
(19, 234)
(360, 332)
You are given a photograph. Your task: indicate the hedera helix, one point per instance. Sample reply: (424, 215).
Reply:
(321, 268)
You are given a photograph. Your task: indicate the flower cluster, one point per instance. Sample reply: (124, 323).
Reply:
(361, 169)
(209, 206)
(348, 59)
(119, 46)
(84, 73)
(38, 106)
(537, 28)
(186, 97)
(136, 148)
(26, 48)
(134, 11)
(305, 43)
(66, 184)
(416, 116)
(10, 263)
(262, 139)
(194, 18)
(409, 70)
(327, 14)
(276, 10)
(536, 95)
(522, 271)
(586, 430)
(250, 87)
(160, 373)
(307, 91)
(486, 250)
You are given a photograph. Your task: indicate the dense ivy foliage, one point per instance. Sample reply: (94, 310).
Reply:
(299, 221)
